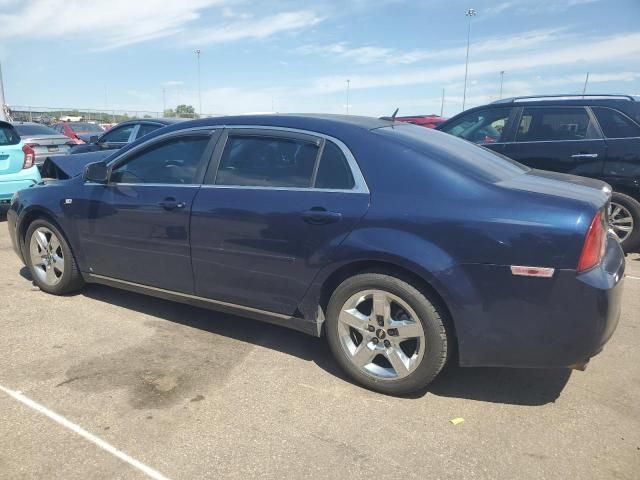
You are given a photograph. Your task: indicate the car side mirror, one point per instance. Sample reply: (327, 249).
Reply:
(97, 172)
(93, 139)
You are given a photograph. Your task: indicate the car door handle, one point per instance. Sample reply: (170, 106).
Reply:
(584, 155)
(320, 216)
(171, 203)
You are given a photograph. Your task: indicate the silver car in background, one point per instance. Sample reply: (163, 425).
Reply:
(44, 141)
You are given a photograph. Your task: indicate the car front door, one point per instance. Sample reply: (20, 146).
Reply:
(274, 205)
(559, 139)
(136, 227)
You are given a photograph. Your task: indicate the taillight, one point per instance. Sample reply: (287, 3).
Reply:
(594, 244)
(29, 156)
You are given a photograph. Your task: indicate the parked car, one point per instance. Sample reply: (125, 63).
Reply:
(398, 243)
(80, 132)
(122, 134)
(44, 141)
(17, 164)
(595, 136)
(428, 121)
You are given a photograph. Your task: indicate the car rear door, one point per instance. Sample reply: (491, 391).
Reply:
(622, 135)
(274, 205)
(136, 227)
(563, 139)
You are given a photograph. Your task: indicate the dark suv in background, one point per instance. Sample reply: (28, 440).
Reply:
(594, 136)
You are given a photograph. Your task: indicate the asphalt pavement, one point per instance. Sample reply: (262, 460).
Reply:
(107, 384)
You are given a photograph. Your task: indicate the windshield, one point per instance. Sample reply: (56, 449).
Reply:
(85, 127)
(8, 135)
(29, 129)
(477, 161)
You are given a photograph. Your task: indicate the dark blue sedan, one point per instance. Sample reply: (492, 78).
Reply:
(398, 243)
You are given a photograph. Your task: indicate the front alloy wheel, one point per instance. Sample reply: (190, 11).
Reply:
(47, 257)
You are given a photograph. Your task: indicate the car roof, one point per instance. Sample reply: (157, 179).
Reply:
(320, 122)
(570, 99)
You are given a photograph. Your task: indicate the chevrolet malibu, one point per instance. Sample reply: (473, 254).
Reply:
(396, 243)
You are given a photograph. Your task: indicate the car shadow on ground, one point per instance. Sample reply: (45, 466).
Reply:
(498, 385)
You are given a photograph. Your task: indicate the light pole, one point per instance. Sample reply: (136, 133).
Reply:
(348, 84)
(199, 92)
(164, 101)
(469, 13)
(501, 82)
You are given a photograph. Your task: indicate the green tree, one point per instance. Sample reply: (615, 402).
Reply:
(186, 111)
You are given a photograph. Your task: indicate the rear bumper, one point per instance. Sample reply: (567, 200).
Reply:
(11, 183)
(536, 322)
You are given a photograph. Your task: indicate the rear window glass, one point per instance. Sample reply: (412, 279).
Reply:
(8, 136)
(614, 124)
(477, 161)
(85, 127)
(544, 124)
(28, 130)
(267, 162)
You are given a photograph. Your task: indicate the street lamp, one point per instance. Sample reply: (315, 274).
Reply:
(469, 13)
(348, 84)
(199, 92)
(501, 82)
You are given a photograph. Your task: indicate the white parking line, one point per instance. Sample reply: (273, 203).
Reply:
(632, 277)
(150, 472)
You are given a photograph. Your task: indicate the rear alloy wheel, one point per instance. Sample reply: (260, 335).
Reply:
(385, 333)
(624, 220)
(50, 260)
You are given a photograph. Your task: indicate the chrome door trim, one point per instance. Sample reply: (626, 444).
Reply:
(360, 184)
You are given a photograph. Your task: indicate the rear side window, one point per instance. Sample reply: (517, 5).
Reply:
(8, 136)
(614, 124)
(539, 124)
(30, 129)
(334, 171)
(255, 161)
(482, 126)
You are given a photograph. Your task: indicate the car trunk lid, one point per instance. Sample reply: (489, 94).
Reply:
(588, 190)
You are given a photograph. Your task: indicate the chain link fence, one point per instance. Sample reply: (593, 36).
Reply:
(48, 115)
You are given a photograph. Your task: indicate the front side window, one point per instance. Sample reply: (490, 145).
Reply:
(483, 126)
(543, 124)
(8, 136)
(146, 128)
(118, 135)
(264, 161)
(614, 124)
(176, 161)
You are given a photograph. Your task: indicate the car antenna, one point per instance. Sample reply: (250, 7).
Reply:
(393, 117)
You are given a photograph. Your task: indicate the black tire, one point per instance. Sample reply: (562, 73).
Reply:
(429, 314)
(632, 242)
(71, 278)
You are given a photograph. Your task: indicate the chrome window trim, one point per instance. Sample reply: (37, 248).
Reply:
(159, 139)
(360, 184)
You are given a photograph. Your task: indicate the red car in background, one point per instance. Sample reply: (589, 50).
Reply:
(428, 121)
(80, 132)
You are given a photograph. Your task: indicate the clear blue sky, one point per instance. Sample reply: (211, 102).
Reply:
(292, 56)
